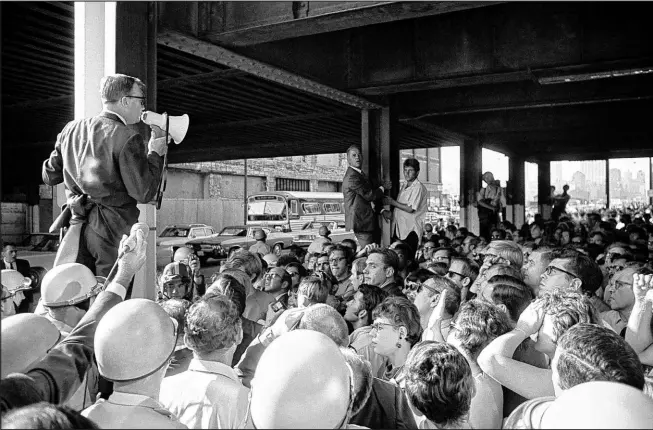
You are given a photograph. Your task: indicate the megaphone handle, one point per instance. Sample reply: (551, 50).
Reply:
(164, 174)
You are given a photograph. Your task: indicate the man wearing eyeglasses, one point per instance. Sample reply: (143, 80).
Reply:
(574, 271)
(106, 162)
(622, 300)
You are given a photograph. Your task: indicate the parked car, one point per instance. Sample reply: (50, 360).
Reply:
(40, 249)
(310, 231)
(175, 236)
(217, 246)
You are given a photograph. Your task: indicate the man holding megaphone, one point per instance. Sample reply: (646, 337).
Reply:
(104, 164)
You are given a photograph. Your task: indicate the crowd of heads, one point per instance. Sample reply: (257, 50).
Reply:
(471, 331)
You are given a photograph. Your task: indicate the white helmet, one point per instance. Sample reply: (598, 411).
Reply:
(134, 340)
(313, 388)
(26, 338)
(69, 284)
(14, 281)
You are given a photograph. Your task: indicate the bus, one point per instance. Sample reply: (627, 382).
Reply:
(291, 210)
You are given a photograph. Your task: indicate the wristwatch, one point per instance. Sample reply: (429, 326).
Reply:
(266, 337)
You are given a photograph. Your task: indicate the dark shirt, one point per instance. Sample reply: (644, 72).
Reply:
(386, 408)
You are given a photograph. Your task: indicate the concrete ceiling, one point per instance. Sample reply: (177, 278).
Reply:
(543, 81)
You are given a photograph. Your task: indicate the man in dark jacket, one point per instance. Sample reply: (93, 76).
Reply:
(358, 194)
(105, 159)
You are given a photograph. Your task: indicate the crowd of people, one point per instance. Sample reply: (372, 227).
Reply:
(528, 328)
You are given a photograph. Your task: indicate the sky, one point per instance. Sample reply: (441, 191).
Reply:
(497, 163)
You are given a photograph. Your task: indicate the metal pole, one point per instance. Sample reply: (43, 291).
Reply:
(607, 183)
(650, 179)
(245, 195)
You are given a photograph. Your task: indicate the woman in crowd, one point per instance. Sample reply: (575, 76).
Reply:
(395, 330)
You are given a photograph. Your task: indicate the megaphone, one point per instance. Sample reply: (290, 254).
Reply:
(178, 125)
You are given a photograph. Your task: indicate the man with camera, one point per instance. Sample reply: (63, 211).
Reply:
(106, 169)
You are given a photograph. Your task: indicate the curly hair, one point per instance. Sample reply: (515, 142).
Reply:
(246, 261)
(403, 312)
(212, 323)
(314, 289)
(566, 308)
(477, 324)
(589, 352)
(439, 382)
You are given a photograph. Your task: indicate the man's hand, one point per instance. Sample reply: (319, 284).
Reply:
(439, 311)
(387, 184)
(388, 200)
(157, 131)
(643, 288)
(387, 215)
(194, 264)
(370, 247)
(531, 320)
(131, 261)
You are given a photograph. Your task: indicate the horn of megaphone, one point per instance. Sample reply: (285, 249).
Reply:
(178, 125)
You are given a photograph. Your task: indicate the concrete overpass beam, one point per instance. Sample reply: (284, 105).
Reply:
(515, 212)
(544, 188)
(470, 183)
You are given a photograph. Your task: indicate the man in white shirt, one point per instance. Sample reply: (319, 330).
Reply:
(209, 394)
(411, 205)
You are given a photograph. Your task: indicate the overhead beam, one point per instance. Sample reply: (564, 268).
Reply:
(256, 68)
(489, 78)
(202, 78)
(309, 18)
(41, 104)
(454, 137)
(271, 120)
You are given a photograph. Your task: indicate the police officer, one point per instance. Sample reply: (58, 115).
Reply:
(260, 246)
(25, 339)
(15, 283)
(190, 259)
(312, 388)
(67, 292)
(133, 347)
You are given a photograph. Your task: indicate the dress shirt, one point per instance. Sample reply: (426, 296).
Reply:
(127, 410)
(208, 395)
(414, 195)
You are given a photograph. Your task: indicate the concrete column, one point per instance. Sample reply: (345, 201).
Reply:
(379, 147)
(517, 191)
(135, 32)
(470, 183)
(544, 188)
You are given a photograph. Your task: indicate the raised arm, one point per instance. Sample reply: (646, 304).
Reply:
(638, 331)
(496, 359)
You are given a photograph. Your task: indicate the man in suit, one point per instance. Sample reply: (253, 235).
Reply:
(358, 194)
(105, 160)
(9, 261)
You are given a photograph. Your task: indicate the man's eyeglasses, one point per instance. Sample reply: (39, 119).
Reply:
(549, 271)
(142, 98)
(450, 273)
(431, 289)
